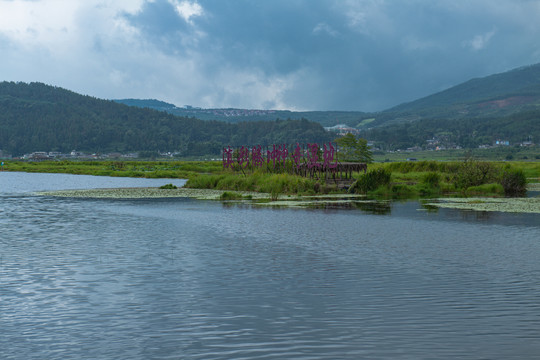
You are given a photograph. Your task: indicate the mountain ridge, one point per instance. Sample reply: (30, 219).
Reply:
(494, 95)
(470, 98)
(40, 117)
(36, 116)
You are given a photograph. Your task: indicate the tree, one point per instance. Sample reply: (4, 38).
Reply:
(351, 148)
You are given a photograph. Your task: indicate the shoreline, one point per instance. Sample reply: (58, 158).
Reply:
(507, 205)
(146, 193)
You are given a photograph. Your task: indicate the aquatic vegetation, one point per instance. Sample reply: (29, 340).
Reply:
(515, 205)
(254, 198)
(146, 193)
(314, 203)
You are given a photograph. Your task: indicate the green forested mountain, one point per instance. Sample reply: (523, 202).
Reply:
(492, 96)
(466, 132)
(39, 117)
(478, 112)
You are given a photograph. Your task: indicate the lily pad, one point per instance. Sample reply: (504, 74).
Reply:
(145, 193)
(514, 205)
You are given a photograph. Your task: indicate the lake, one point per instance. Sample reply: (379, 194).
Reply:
(189, 279)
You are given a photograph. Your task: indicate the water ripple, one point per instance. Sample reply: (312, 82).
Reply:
(96, 279)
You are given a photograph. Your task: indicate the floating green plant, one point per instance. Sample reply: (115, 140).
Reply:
(514, 205)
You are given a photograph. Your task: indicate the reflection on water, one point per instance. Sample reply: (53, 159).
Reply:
(374, 207)
(186, 279)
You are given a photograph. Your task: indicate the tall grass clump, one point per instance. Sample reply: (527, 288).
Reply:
(229, 195)
(258, 181)
(432, 179)
(371, 181)
(493, 189)
(204, 181)
(285, 184)
(514, 182)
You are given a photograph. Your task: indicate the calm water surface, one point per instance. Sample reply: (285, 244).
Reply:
(186, 279)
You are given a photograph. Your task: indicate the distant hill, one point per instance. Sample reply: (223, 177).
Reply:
(478, 112)
(39, 117)
(148, 103)
(518, 128)
(492, 96)
(233, 115)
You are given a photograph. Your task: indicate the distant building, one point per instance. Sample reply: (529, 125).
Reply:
(56, 154)
(342, 129)
(39, 155)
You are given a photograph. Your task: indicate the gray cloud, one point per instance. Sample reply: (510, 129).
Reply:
(303, 54)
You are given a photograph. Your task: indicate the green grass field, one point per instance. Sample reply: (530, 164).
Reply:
(494, 154)
(145, 169)
(419, 178)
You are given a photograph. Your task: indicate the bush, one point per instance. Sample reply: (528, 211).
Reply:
(475, 173)
(371, 181)
(229, 195)
(168, 186)
(514, 182)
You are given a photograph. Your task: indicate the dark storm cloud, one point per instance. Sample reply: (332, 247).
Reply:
(297, 54)
(161, 25)
(353, 55)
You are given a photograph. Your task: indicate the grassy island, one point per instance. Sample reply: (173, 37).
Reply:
(383, 181)
(391, 180)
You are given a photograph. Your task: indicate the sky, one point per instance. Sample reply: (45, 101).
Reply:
(364, 55)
